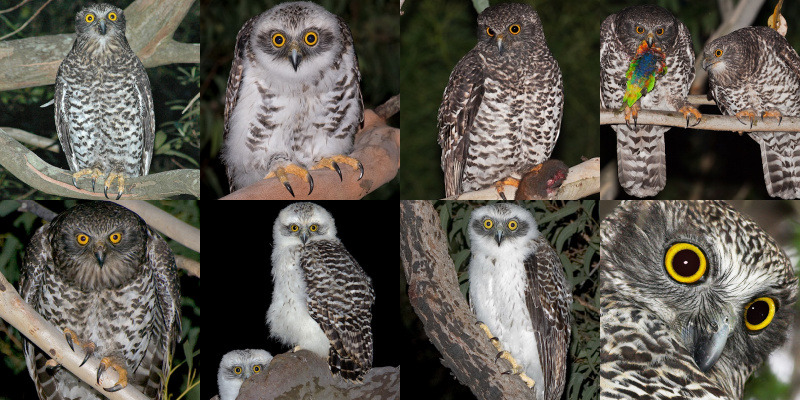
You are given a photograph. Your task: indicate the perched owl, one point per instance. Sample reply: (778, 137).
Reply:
(238, 365)
(755, 73)
(321, 298)
(293, 101)
(517, 288)
(104, 108)
(641, 163)
(694, 296)
(501, 111)
(110, 282)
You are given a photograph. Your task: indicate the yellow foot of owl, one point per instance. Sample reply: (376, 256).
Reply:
(501, 184)
(332, 163)
(120, 185)
(94, 173)
(631, 112)
(516, 369)
(773, 114)
(690, 111)
(749, 113)
(110, 362)
(283, 172)
(72, 340)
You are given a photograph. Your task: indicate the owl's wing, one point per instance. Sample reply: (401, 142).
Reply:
(237, 71)
(167, 323)
(348, 42)
(145, 100)
(462, 98)
(789, 56)
(548, 298)
(62, 118)
(339, 299)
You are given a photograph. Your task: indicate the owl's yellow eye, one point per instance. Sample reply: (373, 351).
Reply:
(512, 225)
(488, 224)
(294, 227)
(639, 30)
(759, 313)
(112, 16)
(237, 370)
(490, 31)
(115, 237)
(313, 228)
(89, 18)
(82, 239)
(278, 40)
(256, 368)
(311, 38)
(718, 52)
(514, 29)
(685, 262)
(660, 31)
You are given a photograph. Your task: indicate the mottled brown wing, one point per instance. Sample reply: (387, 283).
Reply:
(237, 70)
(62, 118)
(788, 55)
(462, 98)
(145, 100)
(548, 297)
(348, 42)
(340, 296)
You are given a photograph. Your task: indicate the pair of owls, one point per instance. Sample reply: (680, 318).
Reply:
(694, 296)
(753, 73)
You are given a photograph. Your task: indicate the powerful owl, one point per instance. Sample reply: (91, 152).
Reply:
(501, 111)
(322, 298)
(104, 108)
(293, 101)
(754, 72)
(641, 163)
(517, 288)
(110, 282)
(238, 365)
(694, 296)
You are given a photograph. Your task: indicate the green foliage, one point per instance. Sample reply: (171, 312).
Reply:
(573, 230)
(376, 33)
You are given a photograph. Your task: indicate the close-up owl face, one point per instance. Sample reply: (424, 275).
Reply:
(297, 39)
(646, 23)
(300, 222)
(507, 225)
(103, 252)
(236, 367)
(508, 27)
(711, 274)
(729, 50)
(100, 20)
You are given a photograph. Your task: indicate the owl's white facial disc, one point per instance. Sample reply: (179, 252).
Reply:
(300, 223)
(507, 226)
(238, 365)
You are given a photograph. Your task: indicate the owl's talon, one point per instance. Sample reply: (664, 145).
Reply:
(331, 163)
(282, 173)
(773, 114)
(288, 187)
(360, 170)
(690, 111)
(750, 114)
(105, 364)
(337, 169)
(113, 176)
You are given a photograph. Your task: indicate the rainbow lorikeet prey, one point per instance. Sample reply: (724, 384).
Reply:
(647, 65)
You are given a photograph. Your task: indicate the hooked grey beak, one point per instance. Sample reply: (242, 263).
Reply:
(650, 39)
(498, 237)
(500, 43)
(709, 343)
(102, 26)
(295, 57)
(706, 63)
(304, 234)
(100, 255)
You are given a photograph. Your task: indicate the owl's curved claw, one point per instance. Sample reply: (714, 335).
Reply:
(337, 169)
(332, 163)
(690, 111)
(72, 340)
(773, 114)
(310, 184)
(108, 362)
(750, 114)
(120, 184)
(282, 174)
(361, 170)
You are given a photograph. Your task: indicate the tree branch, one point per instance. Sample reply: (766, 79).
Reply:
(377, 146)
(32, 139)
(583, 180)
(51, 340)
(449, 324)
(34, 61)
(710, 122)
(34, 171)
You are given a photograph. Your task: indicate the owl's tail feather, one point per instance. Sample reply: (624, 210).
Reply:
(641, 159)
(780, 160)
(345, 366)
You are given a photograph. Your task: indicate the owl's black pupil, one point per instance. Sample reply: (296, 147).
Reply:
(757, 313)
(311, 38)
(278, 40)
(514, 29)
(686, 263)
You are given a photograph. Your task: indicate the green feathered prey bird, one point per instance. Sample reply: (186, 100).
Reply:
(647, 65)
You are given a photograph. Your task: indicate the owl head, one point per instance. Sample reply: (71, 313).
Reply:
(98, 245)
(238, 365)
(714, 277)
(300, 223)
(727, 58)
(100, 21)
(297, 39)
(502, 226)
(508, 27)
(650, 23)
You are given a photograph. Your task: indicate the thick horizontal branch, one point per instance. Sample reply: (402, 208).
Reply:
(710, 122)
(377, 146)
(34, 61)
(34, 171)
(583, 180)
(51, 340)
(32, 139)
